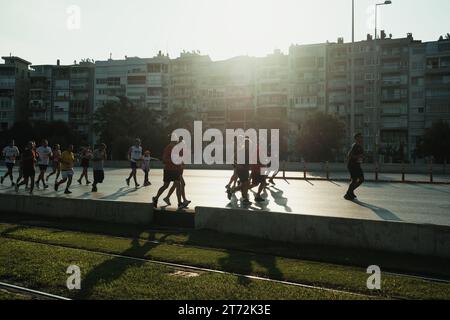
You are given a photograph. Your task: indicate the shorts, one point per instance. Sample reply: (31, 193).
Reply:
(56, 165)
(133, 165)
(85, 163)
(9, 165)
(257, 177)
(356, 172)
(28, 173)
(99, 176)
(67, 173)
(43, 167)
(243, 175)
(172, 175)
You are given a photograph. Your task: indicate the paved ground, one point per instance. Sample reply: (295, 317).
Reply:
(416, 203)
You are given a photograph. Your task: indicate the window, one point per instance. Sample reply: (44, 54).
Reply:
(137, 80)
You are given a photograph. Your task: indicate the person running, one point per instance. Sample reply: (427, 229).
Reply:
(44, 153)
(258, 179)
(242, 171)
(186, 202)
(56, 162)
(355, 159)
(172, 173)
(146, 161)
(67, 161)
(28, 166)
(275, 174)
(20, 177)
(98, 160)
(85, 156)
(134, 156)
(10, 153)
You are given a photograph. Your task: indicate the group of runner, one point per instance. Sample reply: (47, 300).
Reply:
(62, 163)
(245, 176)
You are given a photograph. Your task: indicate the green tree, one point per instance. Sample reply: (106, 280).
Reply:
(320, 137)
(118, 124)
(57, 132)
(436, 141)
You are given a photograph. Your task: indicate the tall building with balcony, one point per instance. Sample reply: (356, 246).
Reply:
(41, 94)
(437, 82)
(382, 86)
(226, 93)
(272, 94)
(144, 82)
(63, 93)
(307, 81)
(186, 73)
(14, 90)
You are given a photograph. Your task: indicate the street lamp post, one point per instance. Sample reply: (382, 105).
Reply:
(376, 134)
(352, 102)
(376, 14)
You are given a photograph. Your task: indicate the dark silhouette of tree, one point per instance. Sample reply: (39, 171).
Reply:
(321, 137)
(436, 141)
(118, 124)
(57, 132)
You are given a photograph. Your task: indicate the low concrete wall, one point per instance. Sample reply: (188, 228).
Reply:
(310, 167)
(106, 211)
(303, 229)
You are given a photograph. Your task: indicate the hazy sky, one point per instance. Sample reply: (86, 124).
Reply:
(42, 31)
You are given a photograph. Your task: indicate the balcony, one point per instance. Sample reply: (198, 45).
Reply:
(37, 106)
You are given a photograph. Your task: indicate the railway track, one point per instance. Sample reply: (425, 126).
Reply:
(31, 292)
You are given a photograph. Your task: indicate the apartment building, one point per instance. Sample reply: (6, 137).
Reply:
(226, 93)
(307, 85)
(64, 93)
(14, 86)
(143, 82)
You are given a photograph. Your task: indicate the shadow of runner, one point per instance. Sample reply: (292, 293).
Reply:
(381, 212)
(120, 193)
(277, 195)
(113, 269)
(246, 264)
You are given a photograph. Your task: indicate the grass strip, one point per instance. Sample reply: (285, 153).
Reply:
(43, 267)
(313, 273)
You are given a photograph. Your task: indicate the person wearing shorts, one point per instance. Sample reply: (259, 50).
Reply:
(258, 179)
(44, 153)
(85, 156)
(28, 167)
(146, 162)
(355, 159)
(99, 157)
(172, 173)
(56, 162)
(134, 156)
(67, 162)
(185, 202)
(242, 172)
(10, 153)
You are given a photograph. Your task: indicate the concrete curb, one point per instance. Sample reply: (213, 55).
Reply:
(105, 211)
(429, 240)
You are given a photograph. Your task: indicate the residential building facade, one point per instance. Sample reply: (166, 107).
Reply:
(14, 86)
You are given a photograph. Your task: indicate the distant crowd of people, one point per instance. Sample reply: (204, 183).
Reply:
(245, 176)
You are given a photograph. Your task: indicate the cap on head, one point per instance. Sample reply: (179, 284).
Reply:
(358, 136)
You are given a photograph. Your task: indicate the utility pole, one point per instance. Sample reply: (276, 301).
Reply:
(352, 103)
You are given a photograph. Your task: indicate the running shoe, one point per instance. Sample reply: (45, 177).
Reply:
(167, 200)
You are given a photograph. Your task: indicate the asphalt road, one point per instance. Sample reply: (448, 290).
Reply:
(414, 203)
